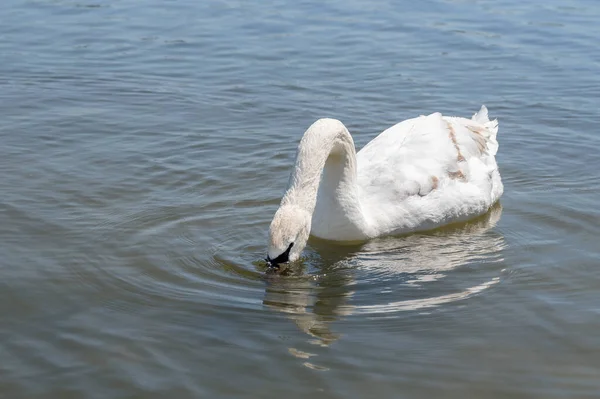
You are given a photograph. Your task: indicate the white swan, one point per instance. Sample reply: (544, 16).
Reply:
(418, 174)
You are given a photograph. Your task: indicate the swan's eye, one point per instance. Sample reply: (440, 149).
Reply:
(284, 257)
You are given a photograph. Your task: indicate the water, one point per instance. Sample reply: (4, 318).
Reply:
(144, 149)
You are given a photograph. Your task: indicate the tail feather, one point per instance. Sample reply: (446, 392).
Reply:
(482, 118)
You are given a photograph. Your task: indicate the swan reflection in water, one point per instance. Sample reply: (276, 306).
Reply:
(385, 270)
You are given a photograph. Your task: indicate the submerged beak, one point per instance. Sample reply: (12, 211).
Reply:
(283, 258)
(270, 262)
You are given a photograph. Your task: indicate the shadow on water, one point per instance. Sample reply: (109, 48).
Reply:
(387, 275)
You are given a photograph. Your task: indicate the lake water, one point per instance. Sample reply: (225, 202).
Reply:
(144, 147)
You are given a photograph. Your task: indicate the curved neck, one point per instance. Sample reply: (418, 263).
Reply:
(324, 180)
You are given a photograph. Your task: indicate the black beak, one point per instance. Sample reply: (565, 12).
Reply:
(270, 262)
(284, 257)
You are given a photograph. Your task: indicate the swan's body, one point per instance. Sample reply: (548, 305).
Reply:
(419, 174)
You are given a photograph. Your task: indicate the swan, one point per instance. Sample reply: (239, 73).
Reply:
(419, 174)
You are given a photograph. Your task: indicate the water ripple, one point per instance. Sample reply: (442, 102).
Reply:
(416, 272)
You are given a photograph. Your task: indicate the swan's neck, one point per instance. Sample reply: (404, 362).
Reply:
(324, 181)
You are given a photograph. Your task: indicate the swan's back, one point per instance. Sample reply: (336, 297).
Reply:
(428, 171)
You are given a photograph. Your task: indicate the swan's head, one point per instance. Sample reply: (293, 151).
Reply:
(288, 234)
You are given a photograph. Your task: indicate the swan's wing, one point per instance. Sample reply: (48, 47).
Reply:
(410, 158)
(422, 158)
